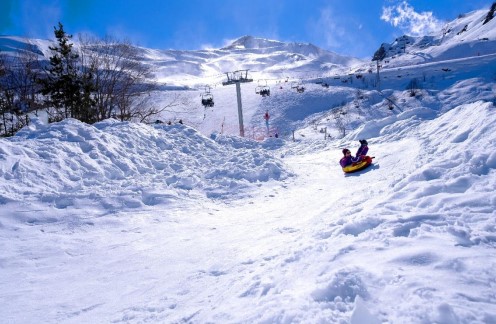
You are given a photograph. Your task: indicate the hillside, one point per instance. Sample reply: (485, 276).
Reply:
(467, 35)
(121, 222)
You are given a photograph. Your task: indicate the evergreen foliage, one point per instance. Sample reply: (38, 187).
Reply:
(66, 87)
(91, 81)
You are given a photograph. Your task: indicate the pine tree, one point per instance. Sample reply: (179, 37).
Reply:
(63, 85)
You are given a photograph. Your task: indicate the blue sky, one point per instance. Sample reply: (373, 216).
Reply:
(348, 27)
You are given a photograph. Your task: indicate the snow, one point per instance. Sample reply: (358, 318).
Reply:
(123, 222)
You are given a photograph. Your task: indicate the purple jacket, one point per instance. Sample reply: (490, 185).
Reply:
(362, 150)
(348, 160)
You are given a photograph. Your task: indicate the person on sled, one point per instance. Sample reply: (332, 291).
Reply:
(349, 159)
(363, 149)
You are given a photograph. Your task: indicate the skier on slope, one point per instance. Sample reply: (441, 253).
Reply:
(267, 117)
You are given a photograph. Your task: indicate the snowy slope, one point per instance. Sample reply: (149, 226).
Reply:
(268, 58)
(122, 222)
(465, 36)
(264, 58)
(134, 223)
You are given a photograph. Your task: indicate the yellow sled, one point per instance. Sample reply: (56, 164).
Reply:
(357, 166)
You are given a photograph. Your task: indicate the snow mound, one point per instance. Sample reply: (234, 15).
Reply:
(125, 163)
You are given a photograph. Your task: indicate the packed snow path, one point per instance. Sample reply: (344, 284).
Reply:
(187, 257)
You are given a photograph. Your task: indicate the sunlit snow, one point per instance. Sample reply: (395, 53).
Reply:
(125, 222)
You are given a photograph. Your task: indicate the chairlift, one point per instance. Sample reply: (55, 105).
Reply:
(263, 90)
(322, 83)
(207, 100)
(298, 86)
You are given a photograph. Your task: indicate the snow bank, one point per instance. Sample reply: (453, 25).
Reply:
(118, 163)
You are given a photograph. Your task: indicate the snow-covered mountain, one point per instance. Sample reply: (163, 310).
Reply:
(251, 45)
(13, 44)
(467, 35)
(265, 57)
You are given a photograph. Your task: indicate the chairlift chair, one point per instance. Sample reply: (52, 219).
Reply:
(262, 89)
(207, 100)
(298, 86)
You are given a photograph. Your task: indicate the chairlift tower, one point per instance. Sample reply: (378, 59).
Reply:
(378, 77)
(238, 77)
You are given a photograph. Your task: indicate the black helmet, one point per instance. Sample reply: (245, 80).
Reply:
(363, 142)
(345, 150)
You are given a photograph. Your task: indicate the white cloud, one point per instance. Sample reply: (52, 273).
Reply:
(207, 47)
(39, 20)
(409, 21)
(343, 34)
(328, 28)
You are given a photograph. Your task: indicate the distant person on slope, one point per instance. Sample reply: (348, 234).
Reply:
(267, 117)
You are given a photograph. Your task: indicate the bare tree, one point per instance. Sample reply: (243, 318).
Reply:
(90, 81)
(26, 71)
(123, 83)
(413, 87)
(17, 92)
(121, 79)
(146, 111)
(4, 109)
(357, 102)
(340, 120)
(391, 102)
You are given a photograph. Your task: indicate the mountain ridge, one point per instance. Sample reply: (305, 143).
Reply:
(464, 36)
(467, 35)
